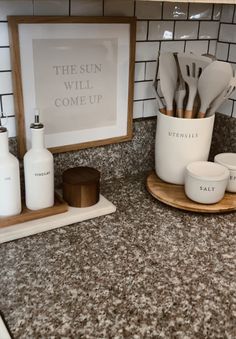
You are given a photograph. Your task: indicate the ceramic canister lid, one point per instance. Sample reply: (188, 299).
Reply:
(207, 170)
(81, 175)
(226, 159)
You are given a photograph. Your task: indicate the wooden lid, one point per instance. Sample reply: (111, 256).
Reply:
(81, 175)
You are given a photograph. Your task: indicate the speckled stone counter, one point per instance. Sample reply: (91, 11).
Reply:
(146, 271)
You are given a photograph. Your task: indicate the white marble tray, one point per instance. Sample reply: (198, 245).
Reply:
(73, 215)
(3, 330)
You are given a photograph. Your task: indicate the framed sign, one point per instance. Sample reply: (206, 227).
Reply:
(78, 72)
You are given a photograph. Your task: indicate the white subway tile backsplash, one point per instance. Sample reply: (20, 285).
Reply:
(143, 90)
(150, 108)
(200, 11)
(141, 30)
(222, 51)
(197, 47)
(8, 105)
(5, 83)
(172, 46)
(15, 7)
(227, 33)
(119, 7)
(51, 7)
(217, 11)
(10, 124)
(138, 109)
(226, 108)
(235, 16)
(5, 62)
(4, 36)
(212, 47)
(227, 13)
(161, 30)
(146, 51)
(175, 11)
(208, 30)
(185, 30)
(85, 7)
(139, 71)
(232, 53)
(150, 70)
(157, 22)
(148, 10)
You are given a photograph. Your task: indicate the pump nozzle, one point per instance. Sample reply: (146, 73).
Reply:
(36, 116)
(37, 124)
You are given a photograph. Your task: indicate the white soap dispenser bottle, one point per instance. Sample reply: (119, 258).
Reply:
(10, 193)
(38, 170)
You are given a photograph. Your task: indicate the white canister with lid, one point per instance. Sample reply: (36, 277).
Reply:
(228, 160)
(205, 181)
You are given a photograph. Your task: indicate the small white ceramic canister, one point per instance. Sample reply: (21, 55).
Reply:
(228, 160)
(205, 181)
(180, 141)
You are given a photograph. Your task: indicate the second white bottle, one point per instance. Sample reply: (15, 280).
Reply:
(39, 171)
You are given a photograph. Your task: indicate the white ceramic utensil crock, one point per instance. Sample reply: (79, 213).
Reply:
(179, 142)
(205, 182)
(228, 160)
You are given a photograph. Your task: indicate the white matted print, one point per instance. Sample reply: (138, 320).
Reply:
(79, 76)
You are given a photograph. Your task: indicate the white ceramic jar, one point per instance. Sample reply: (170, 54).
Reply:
(205, 182)
(228, 160)
(179, 142)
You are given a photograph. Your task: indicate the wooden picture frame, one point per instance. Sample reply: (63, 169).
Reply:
(79, 73)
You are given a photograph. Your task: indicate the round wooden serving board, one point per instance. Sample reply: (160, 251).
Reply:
(174, 195)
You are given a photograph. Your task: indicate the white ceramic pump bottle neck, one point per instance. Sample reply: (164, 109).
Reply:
(38, 138)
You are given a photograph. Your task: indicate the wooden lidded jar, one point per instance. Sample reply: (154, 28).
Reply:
(81, 186)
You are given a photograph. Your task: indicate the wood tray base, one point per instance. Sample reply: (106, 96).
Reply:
(174, 195)
(60, 206)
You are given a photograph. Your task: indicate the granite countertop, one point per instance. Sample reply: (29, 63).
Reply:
(146, 271)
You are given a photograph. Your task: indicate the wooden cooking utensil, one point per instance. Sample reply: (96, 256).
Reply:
(213, 80)
(168, 79)
(224, 95)
(161, 106)
(191, 67)
(180, 91)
